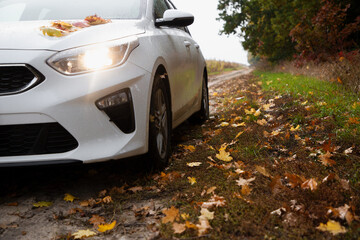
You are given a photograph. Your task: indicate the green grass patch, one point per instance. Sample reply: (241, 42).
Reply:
(328, 99)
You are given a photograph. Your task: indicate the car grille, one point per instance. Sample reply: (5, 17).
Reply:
(34, 139)
(18, 78)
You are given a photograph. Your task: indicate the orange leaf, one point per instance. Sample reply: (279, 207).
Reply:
(171, 215)
(294, 180)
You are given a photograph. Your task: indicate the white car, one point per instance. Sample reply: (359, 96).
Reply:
(108, 87)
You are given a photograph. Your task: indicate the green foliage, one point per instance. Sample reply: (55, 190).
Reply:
(316, 26)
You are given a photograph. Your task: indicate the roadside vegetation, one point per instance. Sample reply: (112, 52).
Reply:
(216, 67)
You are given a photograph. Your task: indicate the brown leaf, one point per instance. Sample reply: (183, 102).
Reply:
(203, 227)
(311, 183)
(135, 189)
(294, 180)
(262, 170)
(245, 190)
(91, 202)
(325, 159)
(276, 184)
(102, 193)
(118, 190)
(179, 228)
(75, 210)
(13, 204)
(96, 220)
(171, 215)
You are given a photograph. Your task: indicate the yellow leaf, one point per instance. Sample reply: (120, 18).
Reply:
(191, 148)
(268, 82)
(224, 124)
(51, 32)
(69, 198)
(238, 135)
(332, 226)
(42, 204)
(257, 113)
(250, 112)
(185, 216)
(224, 156)
(194, 164)
(106, 227)
(215, 94)
(266, 107)
(192, 180)
(339, 80)
(304, 103)
(292, 129)
(171, 215)
(83, 234)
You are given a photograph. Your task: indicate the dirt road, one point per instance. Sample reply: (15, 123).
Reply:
(137, 216)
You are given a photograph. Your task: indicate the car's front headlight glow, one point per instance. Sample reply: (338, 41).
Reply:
(93, 57)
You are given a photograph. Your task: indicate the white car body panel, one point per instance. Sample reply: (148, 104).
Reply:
(70, 100)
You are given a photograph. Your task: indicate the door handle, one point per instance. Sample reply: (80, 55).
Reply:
(197, 46)
(187, 44)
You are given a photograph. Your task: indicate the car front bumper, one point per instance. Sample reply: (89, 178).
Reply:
(70, 102)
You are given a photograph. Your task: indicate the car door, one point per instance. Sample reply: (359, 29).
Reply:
(178, 55)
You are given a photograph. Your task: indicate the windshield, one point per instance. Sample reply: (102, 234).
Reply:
(29, 10)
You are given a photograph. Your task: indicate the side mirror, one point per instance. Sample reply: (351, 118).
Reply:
(175, 18)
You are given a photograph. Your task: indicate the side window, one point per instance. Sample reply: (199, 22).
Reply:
(160, 7)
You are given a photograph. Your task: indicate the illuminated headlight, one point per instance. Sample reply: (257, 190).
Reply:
(93, 57)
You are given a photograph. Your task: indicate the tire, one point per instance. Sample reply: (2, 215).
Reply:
(159, 125)
(203, 114)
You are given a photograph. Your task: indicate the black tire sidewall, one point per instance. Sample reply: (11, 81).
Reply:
(157, 161)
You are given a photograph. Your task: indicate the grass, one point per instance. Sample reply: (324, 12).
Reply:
(329, 99)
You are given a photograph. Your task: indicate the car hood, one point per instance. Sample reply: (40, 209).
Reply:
(27, 35)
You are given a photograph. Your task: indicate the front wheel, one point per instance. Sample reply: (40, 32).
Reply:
(159, 125)
(203, 114)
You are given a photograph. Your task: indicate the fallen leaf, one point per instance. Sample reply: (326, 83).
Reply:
(294, 180)
(223, 155)
(239, 134)
(210, 190)
(179, 228)
(215, 200)
(69, 198)
(96, 220)
(107, 199)
(348, 151)
(42, 204)
(192, 180)
(203, 227)
(223, 124)
(332, 226)
(185, 216)
(242, 181)
(75, 210)
(106, 227)
(325, 159)
(261, 122)
(83, 234)
(245, 190)
(292, 129)
(191, 148)
(206, 214)
(190, 225)
(194, 164)
(262, 170)
(91, 202)
(311, 183)
(102, 193)
(171, 215)
(13, 204)
(135, 189)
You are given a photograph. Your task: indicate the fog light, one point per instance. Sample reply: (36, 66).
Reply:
(119, 108)
(112, 100)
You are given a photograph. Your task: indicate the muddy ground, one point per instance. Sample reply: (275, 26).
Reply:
(20, 188)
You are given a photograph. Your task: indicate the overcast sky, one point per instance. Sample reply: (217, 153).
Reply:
(205, 30)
